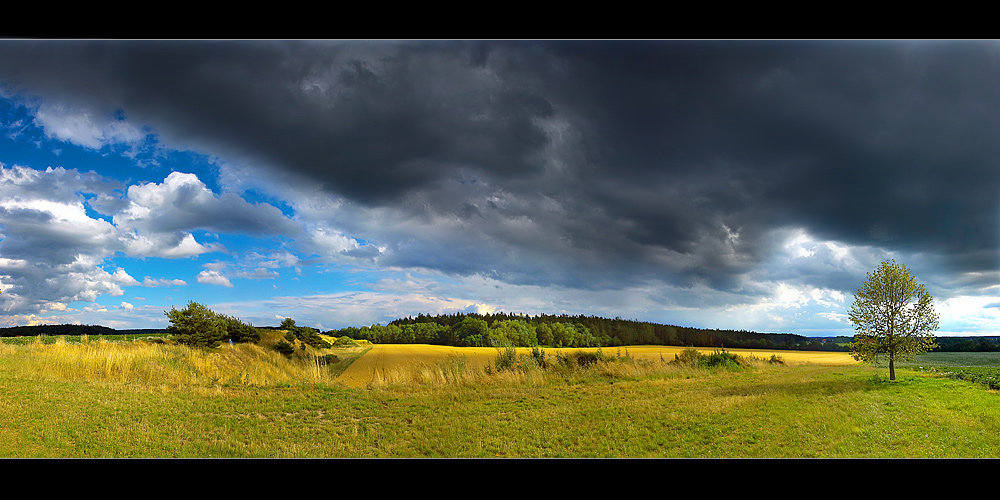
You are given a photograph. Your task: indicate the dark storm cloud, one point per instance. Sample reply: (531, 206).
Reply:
(868, 143)
(672, 160)
(370, 120)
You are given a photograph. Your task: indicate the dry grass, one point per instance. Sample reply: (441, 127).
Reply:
(166, 364)
(402, 364)
(249, 365)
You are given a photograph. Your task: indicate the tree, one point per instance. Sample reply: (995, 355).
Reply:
(473, 332)
(238, 331)
(307, 335)
(893, 317)
(196, 325)
(515, 331)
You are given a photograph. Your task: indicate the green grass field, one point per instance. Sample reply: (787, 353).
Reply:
(979, 367)
(760, 411)
(981, 359)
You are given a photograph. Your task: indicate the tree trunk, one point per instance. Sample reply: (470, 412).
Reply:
(892, 369)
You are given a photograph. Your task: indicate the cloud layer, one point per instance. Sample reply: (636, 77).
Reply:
(705, 174)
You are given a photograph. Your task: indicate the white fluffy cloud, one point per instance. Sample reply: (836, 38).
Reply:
(85, 127)
(54, 246)
(213, 277)
(159, 217)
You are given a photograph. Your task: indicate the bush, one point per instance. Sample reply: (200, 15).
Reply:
(506, 355)
(240, 332)
(345, 342)
(691, 357)
(586, 358)
(303, 333)
(538, 354)
(580, 359)
(284, 348)
(721, 359)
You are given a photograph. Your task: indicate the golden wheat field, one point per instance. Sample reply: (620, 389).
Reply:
(383, 359)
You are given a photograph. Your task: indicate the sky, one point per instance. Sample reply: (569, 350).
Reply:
(747, 185)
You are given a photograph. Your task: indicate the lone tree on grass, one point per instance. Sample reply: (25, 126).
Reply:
(893, 317)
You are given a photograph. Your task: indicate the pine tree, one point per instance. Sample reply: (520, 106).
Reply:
(196, 325)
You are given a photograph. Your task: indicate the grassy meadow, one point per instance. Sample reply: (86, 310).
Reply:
(143, 398)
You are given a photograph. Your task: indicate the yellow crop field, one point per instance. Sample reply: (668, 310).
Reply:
(385, 358)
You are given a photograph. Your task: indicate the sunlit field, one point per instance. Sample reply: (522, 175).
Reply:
(98, 398)
(386, 363)
(146, 362)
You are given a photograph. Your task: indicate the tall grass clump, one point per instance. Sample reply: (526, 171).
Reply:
(692, 358)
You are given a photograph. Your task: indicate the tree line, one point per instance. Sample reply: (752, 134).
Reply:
(492, 329)
(968, 344)
(487, 330)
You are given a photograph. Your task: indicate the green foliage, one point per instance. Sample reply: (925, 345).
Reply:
(345, 341)
(304, 334)
(987, 376)
(575, 331)
(199, 326)
(893, 317)
(538, 355)
(506, 356)
(718, 359)
(284, 348)
(196, 325)
(689, 356)
(515, 332)
(582, 359)
(473, 332)
(543, 332)
(240, 332)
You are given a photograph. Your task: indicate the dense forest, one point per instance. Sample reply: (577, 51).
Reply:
(486, 330)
